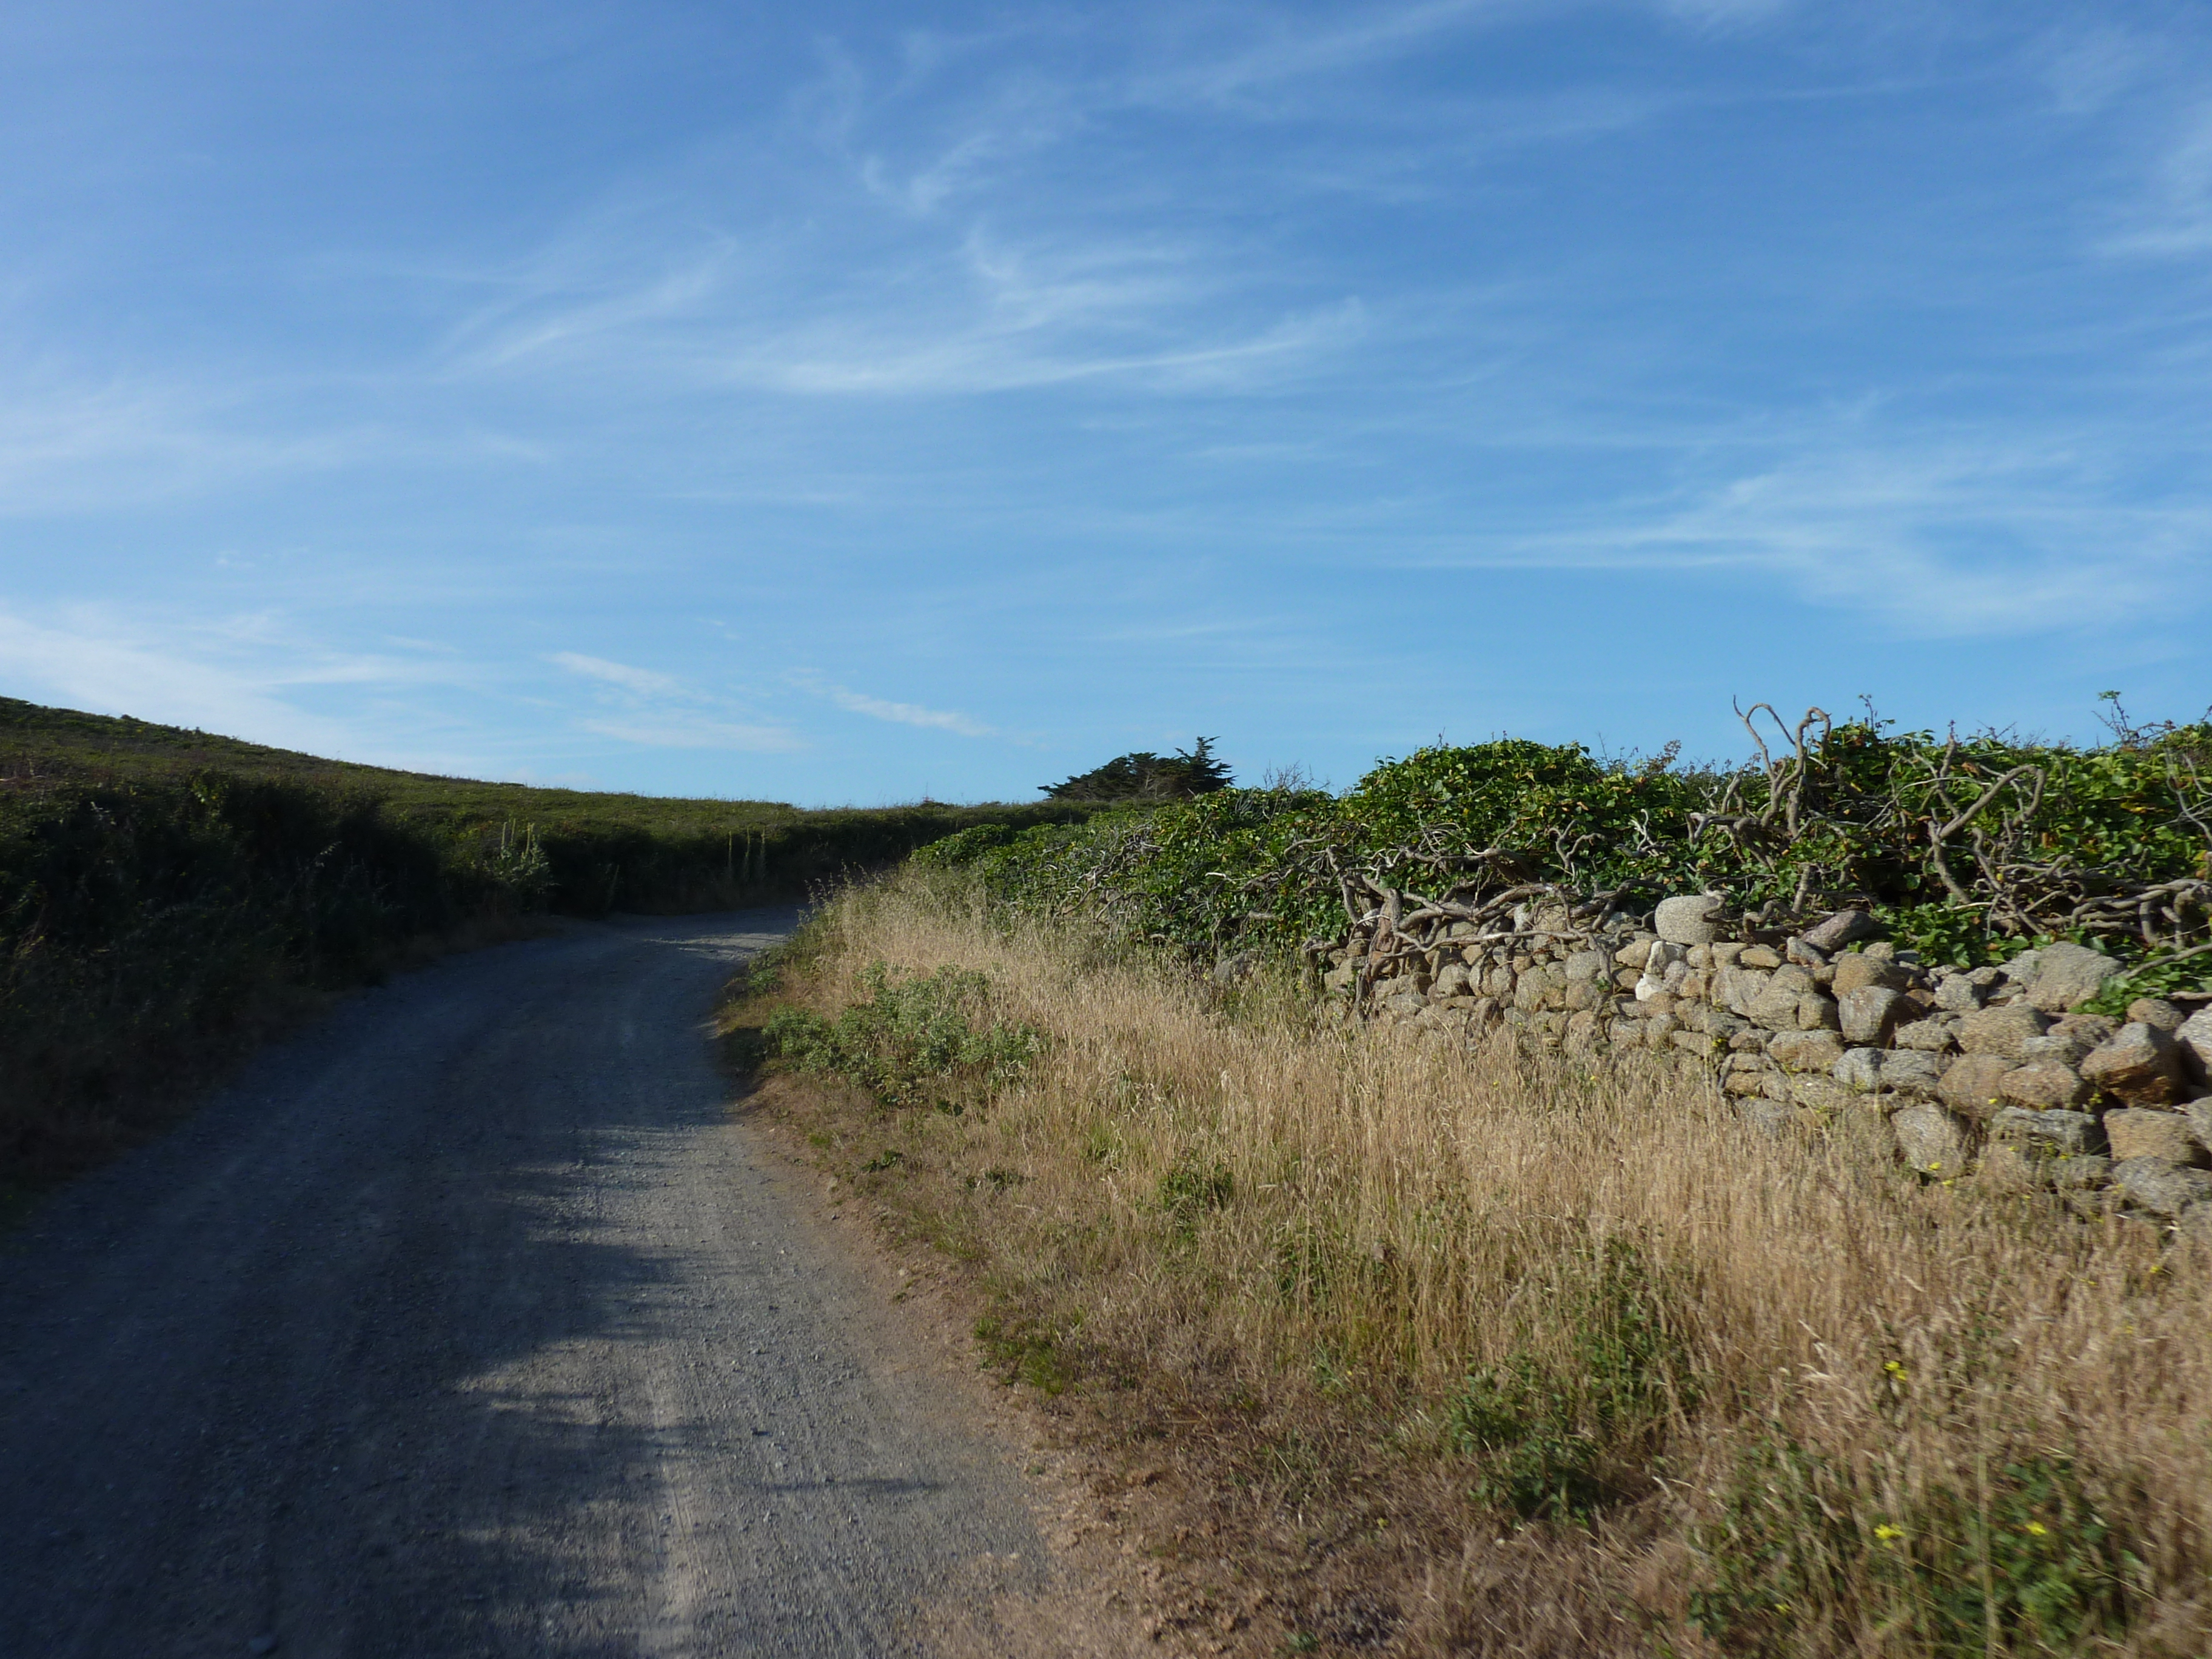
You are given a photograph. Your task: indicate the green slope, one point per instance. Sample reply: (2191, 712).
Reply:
(164, 893)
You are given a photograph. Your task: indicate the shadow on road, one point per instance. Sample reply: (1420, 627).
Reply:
(468, 1323)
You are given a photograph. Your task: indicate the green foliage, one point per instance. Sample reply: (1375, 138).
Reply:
(518, 864)
(138, 925)
(159, 886)
(578, 851)
(1143, 775)
(2029, 1564)
(1537, 1462)
(1191, 1188)
(2191, 972)
(1552, 809)
(1025, 1351)
(966, 846)
(1187, 873)
(1969, 849)
(1549, 1437)
(927, 1041)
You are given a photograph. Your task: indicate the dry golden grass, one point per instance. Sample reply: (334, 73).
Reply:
(1865, 1413)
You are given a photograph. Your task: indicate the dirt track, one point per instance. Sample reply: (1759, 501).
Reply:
(470, 1322)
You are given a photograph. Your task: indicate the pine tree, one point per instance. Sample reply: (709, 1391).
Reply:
(1144, 776)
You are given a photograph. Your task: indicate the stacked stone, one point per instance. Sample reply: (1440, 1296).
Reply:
(1998, 1064)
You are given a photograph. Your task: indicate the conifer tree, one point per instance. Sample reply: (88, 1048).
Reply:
(1144, 776)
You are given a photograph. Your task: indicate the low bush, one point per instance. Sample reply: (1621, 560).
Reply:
(1970, 850)
(2025, 1562)
(912, 1042)
(1558, 1441)
(145, 930)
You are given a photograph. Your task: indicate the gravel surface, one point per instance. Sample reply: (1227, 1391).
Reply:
(470, 1322)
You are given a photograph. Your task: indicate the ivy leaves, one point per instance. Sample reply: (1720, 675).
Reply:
(1970, 848)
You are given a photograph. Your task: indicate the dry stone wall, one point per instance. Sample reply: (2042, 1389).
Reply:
(1999, 1067)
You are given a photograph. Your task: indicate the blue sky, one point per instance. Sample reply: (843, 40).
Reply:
(846, 404)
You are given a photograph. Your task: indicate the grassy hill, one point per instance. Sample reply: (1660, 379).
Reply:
(165, 893)
(41, 744)
(660, 852)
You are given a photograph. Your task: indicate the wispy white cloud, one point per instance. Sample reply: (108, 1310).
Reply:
(2172, 214)
(1326, 275)
(992, 313)
(1723, 14)
(1251, 65)
(901, 713)
(645, 706)
(946, 256)
(89, 663)
(2087, 68)
(569, 300)
(644, 681)
(1023, 115)
(1259, 51)
(1292, 50)
(992, 357)
(981, 281)
(231, 675)
(72, 442)
(77, 440)
(676, 731)
(1950, 540)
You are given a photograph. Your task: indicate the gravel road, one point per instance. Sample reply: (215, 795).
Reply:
(470, 1322)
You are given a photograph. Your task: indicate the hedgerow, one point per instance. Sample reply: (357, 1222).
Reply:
(165, 893)
(1969, 848)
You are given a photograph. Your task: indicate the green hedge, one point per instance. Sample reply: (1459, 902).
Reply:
(151, 902)
(1969, 849)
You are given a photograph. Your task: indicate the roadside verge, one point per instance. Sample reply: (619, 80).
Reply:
(1379, 1345)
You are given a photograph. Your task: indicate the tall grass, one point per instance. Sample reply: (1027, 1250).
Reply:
(1788, 1397)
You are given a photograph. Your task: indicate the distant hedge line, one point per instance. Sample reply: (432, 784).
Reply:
(143, 921)
(1970, 850)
